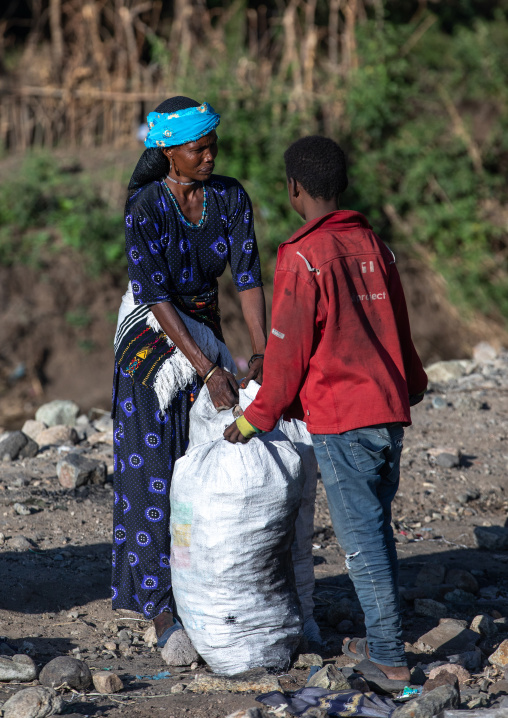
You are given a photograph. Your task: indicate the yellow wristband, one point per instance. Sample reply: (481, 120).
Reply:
(246, 429)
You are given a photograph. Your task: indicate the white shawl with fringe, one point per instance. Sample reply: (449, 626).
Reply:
(177, 372)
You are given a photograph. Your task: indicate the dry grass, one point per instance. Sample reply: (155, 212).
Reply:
(86, 74)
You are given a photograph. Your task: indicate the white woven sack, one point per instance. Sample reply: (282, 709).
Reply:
(303, 559)
(233, 509)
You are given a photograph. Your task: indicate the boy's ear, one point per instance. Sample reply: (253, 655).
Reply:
(294, 187)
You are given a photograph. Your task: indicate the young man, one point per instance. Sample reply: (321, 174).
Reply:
(340, 357)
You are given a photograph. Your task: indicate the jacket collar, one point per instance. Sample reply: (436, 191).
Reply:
(341, 219)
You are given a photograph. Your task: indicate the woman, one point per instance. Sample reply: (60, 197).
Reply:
(183, 224)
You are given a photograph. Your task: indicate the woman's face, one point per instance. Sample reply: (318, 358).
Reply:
(195, 160)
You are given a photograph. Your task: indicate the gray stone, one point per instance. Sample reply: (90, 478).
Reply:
(484, 625)
(431, 574)
(441, 678)
(65, 670)
(21, 481)
(472, 660)
(57, 435)
(468, 495)
(104, 423)
(461, 600)
(21, 509)
(150, 636)
(256, 680)
(439, 402)
(428, 607)
(454, 669)
(499, 687)
(500, 656)
(178, 688)
(13, 443)
(445, 457)
(307, 660)
(32, 428)
(484, 352)
(101, 437)
(449, 637)
(20, 543)
(444, 371)
(76, 470)
(18, 668)
(493, 538)
(58, 412)
(501, 624)
(82, 433)
(460, 578)
(106, 682)
(179, 651)
(430, 704)
(30, 449)
(124, 635)
(329, 677)
(37, 702)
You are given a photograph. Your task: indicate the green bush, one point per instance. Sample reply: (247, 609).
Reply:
(45, 208)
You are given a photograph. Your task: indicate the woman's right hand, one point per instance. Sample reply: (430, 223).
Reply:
(223, 389)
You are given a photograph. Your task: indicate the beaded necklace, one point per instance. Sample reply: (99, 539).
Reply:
(180, 213)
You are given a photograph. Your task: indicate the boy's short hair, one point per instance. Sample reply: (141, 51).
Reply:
(319, 164)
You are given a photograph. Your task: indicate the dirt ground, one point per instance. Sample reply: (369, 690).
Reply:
(55, 595)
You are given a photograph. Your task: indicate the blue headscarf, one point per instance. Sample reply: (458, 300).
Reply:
(167, 129)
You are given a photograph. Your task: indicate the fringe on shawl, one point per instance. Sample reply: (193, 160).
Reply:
(177, 371)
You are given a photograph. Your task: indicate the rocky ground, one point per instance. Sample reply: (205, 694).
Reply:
(449, 518)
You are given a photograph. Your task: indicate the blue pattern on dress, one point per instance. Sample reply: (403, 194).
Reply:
(189, 258)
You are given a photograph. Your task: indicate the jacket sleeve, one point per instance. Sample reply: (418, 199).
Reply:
(416, 377)
(288, 350)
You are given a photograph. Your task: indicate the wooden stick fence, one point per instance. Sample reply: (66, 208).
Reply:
(92, 84)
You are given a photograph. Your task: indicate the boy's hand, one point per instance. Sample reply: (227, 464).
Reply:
(234, 435)
(241, 431)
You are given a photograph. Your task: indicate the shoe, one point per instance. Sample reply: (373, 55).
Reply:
(378, 680)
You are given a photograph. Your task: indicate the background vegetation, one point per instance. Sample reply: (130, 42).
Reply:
(415, 92)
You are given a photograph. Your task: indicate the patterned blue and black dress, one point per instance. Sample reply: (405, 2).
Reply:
(168, 261)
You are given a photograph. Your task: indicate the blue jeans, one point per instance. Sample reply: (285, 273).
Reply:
(360, 471)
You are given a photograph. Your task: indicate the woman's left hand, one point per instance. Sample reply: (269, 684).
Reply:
(255, 372)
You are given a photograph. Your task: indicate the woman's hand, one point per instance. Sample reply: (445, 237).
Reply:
(223, 389)
(255, 372)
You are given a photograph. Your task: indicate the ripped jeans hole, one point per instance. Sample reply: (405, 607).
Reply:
(350, 556)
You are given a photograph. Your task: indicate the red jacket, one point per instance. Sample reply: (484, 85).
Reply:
(340, 354)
